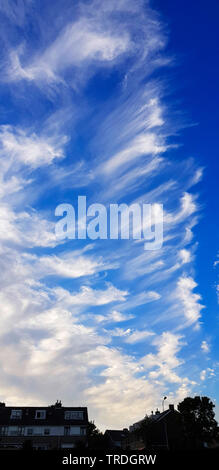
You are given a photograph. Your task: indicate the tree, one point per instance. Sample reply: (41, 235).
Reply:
(95, 437)
(144, 431)
(198, 420)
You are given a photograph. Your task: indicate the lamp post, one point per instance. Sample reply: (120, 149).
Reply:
(165, 426)
(164, 398)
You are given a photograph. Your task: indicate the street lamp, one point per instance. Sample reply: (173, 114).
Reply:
(164, 398)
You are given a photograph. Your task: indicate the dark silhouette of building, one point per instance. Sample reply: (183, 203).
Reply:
(115, 439)
(41, 427)
(160, 431)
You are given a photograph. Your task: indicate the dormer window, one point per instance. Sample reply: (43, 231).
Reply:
(74, 415)
(16, 414)
(40, 414)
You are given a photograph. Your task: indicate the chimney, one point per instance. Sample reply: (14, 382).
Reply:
(171, 407)
(58, 404)
(157, 412)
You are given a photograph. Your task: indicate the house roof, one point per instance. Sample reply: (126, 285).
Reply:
(160, 416)
(156, 417)
(54, 416)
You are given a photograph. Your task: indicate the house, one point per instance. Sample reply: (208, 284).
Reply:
(162, 431)
(115, 438)
(42, 427)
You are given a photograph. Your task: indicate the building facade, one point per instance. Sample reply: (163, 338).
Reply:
(51, 427)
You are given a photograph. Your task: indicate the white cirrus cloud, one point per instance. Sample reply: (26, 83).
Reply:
(145, 144)
(113, 317)
(190, 301)
(138, 336)
(68, 265)
(77, 44)
(185, 256)
(88, 296)
(207, 374)
(188, 206)
(166, 359)
(94, 37)
(27, 229)
(26, 147)
(205, 347)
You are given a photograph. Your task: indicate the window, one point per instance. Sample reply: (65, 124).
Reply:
(38, 431)
(69, 445)
(29, 431)
(16, 414)
(20, 431)
(74, 415)
(40, 446)
(66, 430)
(75, 430)
(13, 431)
(46, 431)
(16, 430)
(40, 414)
(3, 430)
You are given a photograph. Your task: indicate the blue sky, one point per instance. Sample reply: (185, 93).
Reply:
(105, 323)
